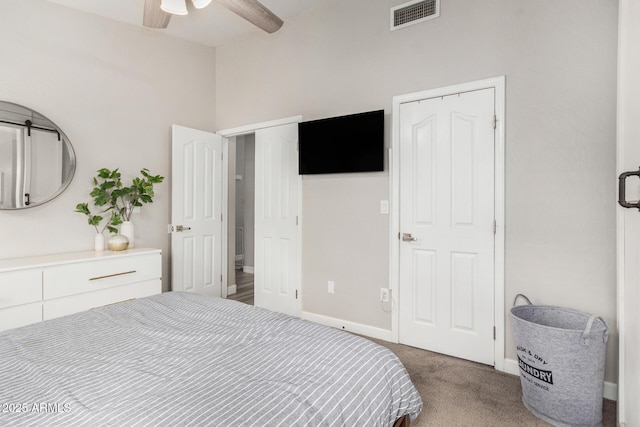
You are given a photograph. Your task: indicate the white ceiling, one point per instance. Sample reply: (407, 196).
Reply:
(212, 26)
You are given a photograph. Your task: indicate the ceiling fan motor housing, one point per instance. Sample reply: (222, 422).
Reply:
(158, 12)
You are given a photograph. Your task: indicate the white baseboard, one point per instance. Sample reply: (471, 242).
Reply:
(610, 389)
(232, 289)
(511, 367)
(345, 325)
(247, 269)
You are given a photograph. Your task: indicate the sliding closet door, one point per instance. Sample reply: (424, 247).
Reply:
(629, 219)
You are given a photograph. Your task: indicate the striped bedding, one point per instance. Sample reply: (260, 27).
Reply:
(181, 359)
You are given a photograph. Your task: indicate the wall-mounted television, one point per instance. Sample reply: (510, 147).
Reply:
(353, 143)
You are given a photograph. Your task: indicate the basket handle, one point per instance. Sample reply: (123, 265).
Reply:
(587, 330)
(523, 296)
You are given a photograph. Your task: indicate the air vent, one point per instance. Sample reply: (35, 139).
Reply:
(412, 12)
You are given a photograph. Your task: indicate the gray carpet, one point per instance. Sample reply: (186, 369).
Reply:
(457, 392)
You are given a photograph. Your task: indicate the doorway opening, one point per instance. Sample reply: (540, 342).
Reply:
(277, 219)
(243, 238)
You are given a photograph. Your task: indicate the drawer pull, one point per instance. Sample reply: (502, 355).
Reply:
(113, 275)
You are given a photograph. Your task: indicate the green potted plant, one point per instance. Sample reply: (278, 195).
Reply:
(96, 221)
(110, 191)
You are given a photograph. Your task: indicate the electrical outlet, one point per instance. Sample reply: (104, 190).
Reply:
(384, 294)
(331, 287)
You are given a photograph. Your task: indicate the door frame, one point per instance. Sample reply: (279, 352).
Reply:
(239, 131)
(498, 84)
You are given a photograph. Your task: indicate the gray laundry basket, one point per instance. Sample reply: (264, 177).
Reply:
(561, 355)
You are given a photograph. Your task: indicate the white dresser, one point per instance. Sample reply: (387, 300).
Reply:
(45, 287)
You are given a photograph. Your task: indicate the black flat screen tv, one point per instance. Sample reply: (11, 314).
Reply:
(353, 143)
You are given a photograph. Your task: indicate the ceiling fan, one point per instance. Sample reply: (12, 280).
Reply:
(157, 13)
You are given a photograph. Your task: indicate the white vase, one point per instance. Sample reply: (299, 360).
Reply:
(127, 230)
(98, 242)
(117, 243)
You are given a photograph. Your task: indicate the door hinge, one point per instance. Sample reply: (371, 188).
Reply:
(296, 294)
(494, 333)
(495, 121)
(495, 226)
(296, 219)
(221, 278)
(398, 235)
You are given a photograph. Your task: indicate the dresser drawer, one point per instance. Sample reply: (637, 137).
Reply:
(20, 287)
(86, 301)
(84, 277)
(15, 317)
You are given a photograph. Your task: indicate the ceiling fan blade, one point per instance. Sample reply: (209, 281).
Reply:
(153, 16)
(254, 12)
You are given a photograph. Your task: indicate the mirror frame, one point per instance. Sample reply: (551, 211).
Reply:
(4, 112)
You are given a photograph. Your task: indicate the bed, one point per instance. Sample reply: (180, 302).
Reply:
(182, 359)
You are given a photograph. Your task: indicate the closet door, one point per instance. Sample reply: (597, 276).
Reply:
(447, 225)
(277, 260)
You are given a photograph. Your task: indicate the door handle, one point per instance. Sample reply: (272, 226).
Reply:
(407, 237)
(622, 179)
(180, 228)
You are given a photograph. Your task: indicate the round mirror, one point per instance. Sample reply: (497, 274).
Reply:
(37, 161)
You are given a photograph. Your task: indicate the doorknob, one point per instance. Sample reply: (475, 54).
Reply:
(407, 237)
(622, 179)
(182, 228)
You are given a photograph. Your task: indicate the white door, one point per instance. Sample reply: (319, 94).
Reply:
(277, 272)
(629, 219)
(196, 211)
(446, 301)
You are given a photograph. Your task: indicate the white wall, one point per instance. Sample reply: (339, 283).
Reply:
(115, 90)
(559, 59)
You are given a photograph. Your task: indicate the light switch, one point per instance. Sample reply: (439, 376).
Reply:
(384, 207)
